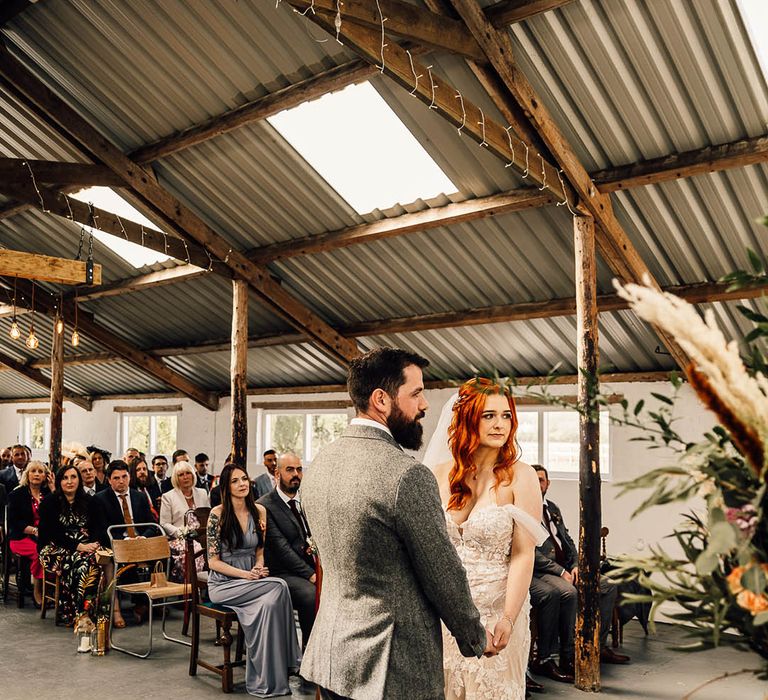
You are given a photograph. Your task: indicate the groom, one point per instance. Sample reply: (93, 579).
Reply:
(390, 573)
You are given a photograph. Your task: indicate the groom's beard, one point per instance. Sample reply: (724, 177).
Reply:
(407, 432)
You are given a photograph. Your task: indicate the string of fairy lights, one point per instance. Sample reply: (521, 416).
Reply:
(458, 96)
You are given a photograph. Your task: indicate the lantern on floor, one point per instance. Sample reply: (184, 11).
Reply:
(84, 628)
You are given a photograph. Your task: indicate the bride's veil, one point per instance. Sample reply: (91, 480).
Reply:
(437, 450)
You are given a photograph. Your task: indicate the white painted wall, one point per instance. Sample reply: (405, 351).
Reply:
(201, 430)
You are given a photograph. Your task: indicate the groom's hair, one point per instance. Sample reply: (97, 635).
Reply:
(541, 468)
(381, 368)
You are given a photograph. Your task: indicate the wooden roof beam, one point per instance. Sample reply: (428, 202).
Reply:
(182, 220)
(140, 283)
(403, 20)
(145, 361)
(699, 161)
(55, 172)
(613, 243)
(36, 376)
(507, 12)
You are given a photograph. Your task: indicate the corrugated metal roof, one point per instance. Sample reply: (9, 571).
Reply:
(624, 80)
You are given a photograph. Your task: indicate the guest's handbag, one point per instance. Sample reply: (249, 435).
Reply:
(103, 556)
(158, 578)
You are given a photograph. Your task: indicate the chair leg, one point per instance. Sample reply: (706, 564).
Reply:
(217, 641)
(239, 648)
(226, 643)
(56, 594)
(615, 629)
(195, 646)
(44, 607)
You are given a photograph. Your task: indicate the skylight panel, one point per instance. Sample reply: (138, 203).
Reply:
(755, 14)
(107, 199)
(361, 148)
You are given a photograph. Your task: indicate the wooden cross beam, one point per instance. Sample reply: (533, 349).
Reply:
(36, 376)
(22, 170)
(46, 268)
(49, 106)
(509, 12)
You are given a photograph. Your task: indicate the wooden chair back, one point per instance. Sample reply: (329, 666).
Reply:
(141, 549)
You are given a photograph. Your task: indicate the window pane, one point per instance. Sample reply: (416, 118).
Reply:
(528, 436)
(137, 434)
(37, 433)
(165, 435)
(561, 433)
(287, 434)
(326, 427)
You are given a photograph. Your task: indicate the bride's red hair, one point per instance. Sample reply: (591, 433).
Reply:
(464, 438)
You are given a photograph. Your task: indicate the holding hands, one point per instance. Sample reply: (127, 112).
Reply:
(256, 573)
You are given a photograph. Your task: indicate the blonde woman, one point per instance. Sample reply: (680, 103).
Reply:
(24, 518)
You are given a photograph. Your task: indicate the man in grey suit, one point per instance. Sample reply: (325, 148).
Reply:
(390, 572)
(265, 483)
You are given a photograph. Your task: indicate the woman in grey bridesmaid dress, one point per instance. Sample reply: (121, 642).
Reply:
(239, 580)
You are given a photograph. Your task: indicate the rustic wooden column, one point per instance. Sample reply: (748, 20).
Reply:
(239, 370)
(57, 393)
(588, 584)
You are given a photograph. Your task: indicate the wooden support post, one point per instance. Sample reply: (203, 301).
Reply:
(588, 615)
(239, 372)
(57, 393)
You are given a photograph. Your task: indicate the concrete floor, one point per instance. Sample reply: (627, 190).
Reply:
(39, 661)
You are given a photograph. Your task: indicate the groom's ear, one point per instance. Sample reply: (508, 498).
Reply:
(380, 400)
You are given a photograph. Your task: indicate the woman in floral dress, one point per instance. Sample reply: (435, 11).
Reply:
(66, 546)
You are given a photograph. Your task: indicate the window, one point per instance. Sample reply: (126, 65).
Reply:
(551, 438)
(302, 433)
(36, 433)
(380, 164)
(150, 433)
(108, 200)
(755, 15)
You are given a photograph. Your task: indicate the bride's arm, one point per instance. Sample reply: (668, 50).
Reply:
(528, 498)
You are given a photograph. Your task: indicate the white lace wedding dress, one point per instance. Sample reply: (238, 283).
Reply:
(483, 543)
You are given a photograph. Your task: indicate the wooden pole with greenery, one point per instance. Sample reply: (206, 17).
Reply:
(587, 662)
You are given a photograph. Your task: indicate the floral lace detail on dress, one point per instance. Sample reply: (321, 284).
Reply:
(483, 543)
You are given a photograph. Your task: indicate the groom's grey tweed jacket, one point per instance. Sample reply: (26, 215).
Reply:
(390, 573)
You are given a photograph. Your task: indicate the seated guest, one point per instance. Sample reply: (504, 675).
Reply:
(267, 482)
(160, 467)
(204, 479)
(119, 505)
(100, 459)
(174, 506)
(131, 455)
(5, 458)
(66, 546)
(176, 457)
(144, 482)
(24, 519)
(91, 484)
(286, 549)
(239, 579)
(553, 596)
(11, 475)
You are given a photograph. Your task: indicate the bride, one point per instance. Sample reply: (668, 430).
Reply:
(492, 506)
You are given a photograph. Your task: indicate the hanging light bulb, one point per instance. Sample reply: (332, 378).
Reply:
(75, 338)
(15, 331)
(59, 325)
(32, 342)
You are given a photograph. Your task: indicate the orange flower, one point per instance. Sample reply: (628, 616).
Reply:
(755, 603)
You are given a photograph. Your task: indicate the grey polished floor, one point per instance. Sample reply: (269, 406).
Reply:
(39, 661)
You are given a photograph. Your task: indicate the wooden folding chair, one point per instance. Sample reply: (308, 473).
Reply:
(137, 551)
(51, 579)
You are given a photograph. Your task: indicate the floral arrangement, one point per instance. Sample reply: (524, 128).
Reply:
(720, 584)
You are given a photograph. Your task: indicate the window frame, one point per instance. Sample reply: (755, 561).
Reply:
(25, 433)
(606, 472)
(125, 416)
(264, 423)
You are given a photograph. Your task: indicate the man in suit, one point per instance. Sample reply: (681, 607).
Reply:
(390, 572)
(265, 483)
(160, 467)
(204, 479)
(286, 550)
(11, 475)
(553, 596)
(91, 485)
(5, 458)
(118, 505)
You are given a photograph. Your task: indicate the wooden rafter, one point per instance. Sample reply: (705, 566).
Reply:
(470, 210)
(330, 80)
(701, 293)
(700, 161)
(613, 243)
(55, 172)
(405, 21)
(36, 376)
(508, 12)
(42, 100)
(140, 283)
(141, 359)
